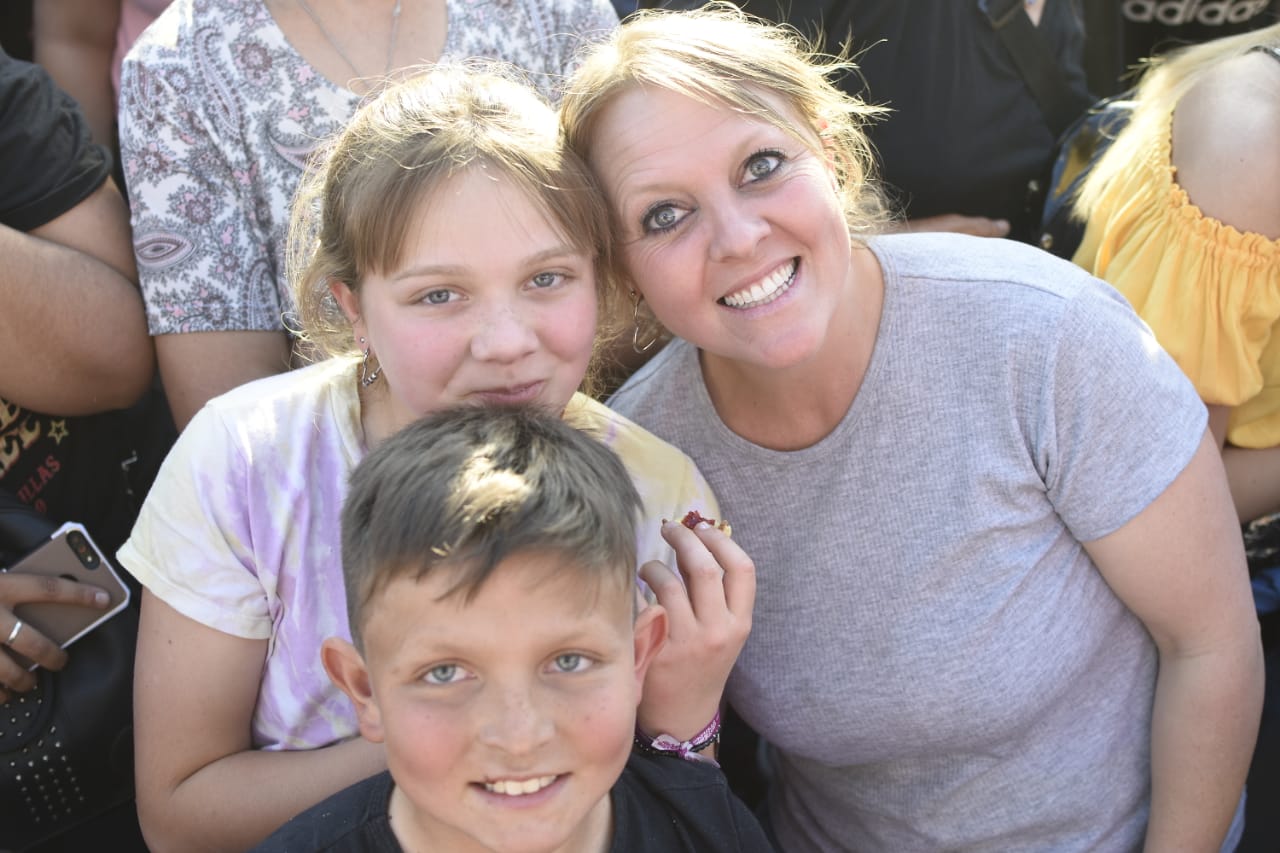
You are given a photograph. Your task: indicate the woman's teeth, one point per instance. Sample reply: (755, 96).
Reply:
(767, 290)
(513, 788)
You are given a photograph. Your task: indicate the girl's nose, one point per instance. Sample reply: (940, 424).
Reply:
(504, 336)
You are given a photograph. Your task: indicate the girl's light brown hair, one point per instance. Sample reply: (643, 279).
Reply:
(364, 189)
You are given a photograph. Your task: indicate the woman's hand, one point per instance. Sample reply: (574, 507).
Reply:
(23, 588)
(708, 619)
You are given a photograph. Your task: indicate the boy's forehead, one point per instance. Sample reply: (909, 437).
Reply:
(575, 588)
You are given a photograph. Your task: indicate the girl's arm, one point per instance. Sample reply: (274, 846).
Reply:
(1253, 475)
(708, 620)
(1179, 566)
(200, 783)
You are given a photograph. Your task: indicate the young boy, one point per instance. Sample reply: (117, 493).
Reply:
(489, 558)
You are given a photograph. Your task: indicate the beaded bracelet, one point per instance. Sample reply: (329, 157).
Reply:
(689, 750)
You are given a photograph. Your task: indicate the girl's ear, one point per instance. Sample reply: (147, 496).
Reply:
(347, 670)
(346, 299)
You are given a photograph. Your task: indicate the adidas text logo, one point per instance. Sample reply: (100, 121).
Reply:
(1173, 13)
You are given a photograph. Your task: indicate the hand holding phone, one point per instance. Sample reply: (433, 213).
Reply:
(49, 599)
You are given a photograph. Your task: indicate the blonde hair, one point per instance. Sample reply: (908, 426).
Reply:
(463, 489)
(360, 194)
(1163, 83)
(720, 55)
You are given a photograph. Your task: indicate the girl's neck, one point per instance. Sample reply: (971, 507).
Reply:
(378, 420)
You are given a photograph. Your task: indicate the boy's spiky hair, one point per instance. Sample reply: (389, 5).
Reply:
(465, 488)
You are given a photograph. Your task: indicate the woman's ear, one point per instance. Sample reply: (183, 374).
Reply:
(347, 670)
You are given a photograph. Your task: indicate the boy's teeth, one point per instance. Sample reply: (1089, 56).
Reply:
(514, 788)
(772, 287)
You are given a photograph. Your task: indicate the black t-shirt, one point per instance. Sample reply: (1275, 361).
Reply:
(1151, 26)
(966, 134)
(661, 804)
(70, 468)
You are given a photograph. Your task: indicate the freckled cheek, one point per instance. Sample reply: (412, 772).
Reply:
(606, 731)
(429, 746)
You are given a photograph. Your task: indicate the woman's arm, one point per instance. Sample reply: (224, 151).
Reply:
(1179, 566)
(200, 783)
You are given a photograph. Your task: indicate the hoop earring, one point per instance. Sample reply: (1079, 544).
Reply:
(367, 378)
(635, 332)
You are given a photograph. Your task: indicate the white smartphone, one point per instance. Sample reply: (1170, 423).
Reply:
(70, 553)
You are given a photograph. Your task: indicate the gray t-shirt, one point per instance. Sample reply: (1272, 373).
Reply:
(935, 660)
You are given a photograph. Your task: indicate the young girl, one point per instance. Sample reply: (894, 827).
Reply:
(1183, 218)
(1002, 596)
(449, 253)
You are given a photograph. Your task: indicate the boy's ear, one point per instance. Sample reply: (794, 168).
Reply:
(650, 637)
(348, 672)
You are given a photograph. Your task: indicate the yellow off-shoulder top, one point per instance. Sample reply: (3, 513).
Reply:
(1210, 293)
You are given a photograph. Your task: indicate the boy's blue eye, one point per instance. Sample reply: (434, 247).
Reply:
(546, 279)
(436, 297)
(445, 673)
(570, 662)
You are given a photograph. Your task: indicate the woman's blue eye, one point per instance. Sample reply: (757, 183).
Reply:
(663, 217)
(763, 164)
(436, 297)
(546, 279)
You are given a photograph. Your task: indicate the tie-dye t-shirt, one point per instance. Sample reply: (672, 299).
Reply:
(218, 114)
(241, 530)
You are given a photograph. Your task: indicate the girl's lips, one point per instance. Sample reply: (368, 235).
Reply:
(510, 396)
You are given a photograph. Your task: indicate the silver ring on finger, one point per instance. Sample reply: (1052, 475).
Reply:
(13, 635)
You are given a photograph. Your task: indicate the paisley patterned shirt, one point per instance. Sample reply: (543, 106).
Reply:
(218, 114)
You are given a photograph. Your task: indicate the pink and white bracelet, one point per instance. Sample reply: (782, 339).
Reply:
(689, 750)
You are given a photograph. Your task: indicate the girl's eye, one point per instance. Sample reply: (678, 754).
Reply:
(762, 164)
(662, 217)
(570, 663)
(547, 279)
(438, 297)
(445, 673)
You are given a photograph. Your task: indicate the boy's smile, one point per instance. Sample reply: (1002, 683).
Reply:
(507, 718)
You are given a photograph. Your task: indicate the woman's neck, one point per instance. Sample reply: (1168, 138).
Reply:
(798, 406)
